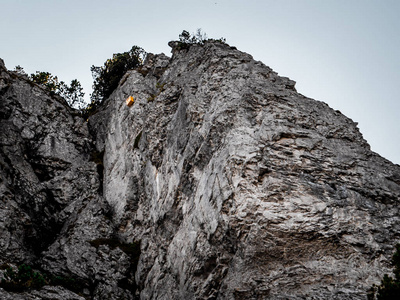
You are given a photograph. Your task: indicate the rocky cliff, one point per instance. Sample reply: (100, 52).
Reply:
(219, 182)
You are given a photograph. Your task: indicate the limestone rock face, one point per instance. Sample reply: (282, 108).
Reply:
(234, 185)
(238, 187)
(52, 213)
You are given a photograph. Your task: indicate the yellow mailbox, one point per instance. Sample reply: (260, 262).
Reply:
(130, 101)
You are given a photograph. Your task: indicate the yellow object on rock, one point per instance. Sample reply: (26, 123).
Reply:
(130, 101)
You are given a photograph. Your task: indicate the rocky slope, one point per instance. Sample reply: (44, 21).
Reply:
(52, 213)
(232, 184)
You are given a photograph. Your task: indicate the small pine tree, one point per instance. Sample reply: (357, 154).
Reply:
(20, 70)
(46, 79)
(199, 38)
(72, 93)
(107, 77)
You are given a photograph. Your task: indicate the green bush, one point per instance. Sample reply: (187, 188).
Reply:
(107, 77)
(186, 39)
(24, 278)
(72, 93)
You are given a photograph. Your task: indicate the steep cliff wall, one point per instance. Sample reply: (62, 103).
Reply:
(235, 186)
(52, 214)
(239, 187)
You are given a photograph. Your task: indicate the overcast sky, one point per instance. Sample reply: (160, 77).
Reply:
(343, 52)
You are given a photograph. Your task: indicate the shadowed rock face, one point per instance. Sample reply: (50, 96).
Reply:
(52, 215)
(235, 185)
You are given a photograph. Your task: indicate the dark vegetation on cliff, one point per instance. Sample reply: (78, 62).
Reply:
(107, 77)
(72, 93)
(199, 38)
(26, 278)
(389, 289)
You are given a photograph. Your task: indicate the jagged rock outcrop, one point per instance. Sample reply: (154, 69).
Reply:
(52, 213)
(241, 188)
(234, 185)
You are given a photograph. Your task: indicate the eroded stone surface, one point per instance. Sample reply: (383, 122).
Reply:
(241, 188)
(52, 208)
(235, 185)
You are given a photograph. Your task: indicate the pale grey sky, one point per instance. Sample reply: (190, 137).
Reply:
(342, 52)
